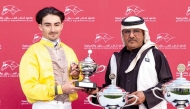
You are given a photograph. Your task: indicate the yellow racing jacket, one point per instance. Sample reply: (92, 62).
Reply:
(36, 72)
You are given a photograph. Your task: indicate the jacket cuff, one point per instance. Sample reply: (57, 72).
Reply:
(59, 89)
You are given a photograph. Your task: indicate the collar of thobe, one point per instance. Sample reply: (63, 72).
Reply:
(143, 48)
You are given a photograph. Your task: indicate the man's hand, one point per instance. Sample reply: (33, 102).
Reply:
(90, 91)
(68, 87)
(74, 70)
(140, 100)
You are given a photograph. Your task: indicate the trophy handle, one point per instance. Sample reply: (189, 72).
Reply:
(133, 102)
(153, 90)
(91, 102)
(103, 68)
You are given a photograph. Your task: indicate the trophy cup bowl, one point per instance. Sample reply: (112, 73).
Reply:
(112, 97)
(87, 67)
(177, 92)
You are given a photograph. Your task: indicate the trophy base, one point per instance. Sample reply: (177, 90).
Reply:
(88, 85)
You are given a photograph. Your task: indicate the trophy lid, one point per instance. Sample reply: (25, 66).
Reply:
(112, 89)
(88, 59)
(180, 82)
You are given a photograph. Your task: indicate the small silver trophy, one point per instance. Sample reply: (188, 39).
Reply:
(112, 96)
(87, 67)
(177, 92)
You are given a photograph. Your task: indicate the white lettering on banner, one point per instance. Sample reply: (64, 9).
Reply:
(24, 102)
(100, 46)
(25, 46)
(184, 19)
(100, 40)
(135, 10)
(165, 38)
(80, 19)
(74, 10)
(37, 37)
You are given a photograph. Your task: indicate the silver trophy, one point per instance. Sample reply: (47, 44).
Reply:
(177, 92)
(112, 96)
(87, 67)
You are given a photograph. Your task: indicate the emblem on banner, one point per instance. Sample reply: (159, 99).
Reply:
(72, 8)
(9, 15)
(188, 65)
(5, 69)
(164, 36)
(10, 8)
(188, 11)
(99, 44)
(167, 37)
(37, 37)
(102, 36)
(184, 18)
(9, 64)
(133, 9)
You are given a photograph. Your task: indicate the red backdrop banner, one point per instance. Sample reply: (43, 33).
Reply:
(95, 25)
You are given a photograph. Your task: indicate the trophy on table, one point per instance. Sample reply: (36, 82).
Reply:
(112, 96)
(176, 92)
(87, 67)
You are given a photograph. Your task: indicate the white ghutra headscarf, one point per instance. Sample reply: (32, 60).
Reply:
(136, 22)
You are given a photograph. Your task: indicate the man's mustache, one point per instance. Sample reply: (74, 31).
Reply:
(132, 40)
(53, 33)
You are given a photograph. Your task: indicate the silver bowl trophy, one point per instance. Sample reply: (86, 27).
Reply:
(87, 67)
(112, 97)
(177, 92)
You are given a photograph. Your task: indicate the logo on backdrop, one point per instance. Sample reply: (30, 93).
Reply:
(102, 41)
(0, 46)
(135, 10)
(102, 36)
(8, 69)
(25, 102)
(163, 36)
(36, 38)
(163, 42)
(184, 18)
(10, 9)
(72, 9)
(72, 13)
(9, 14)
(188, 65)
(188, 11)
